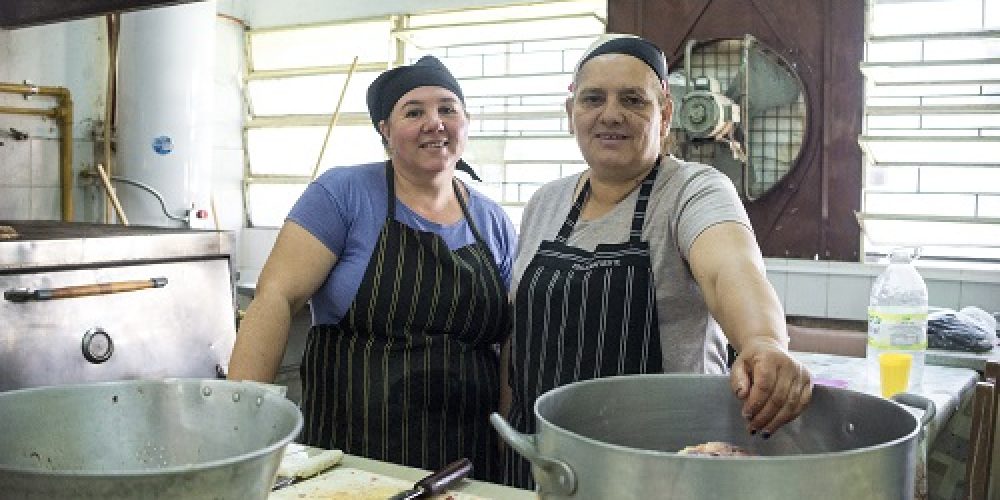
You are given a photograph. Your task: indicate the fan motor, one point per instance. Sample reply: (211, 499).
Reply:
(706, 113)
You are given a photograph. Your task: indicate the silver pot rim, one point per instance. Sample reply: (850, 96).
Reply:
(259, 390)
(913, 423)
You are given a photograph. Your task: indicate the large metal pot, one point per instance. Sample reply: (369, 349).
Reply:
(617, 437)
(165, 439)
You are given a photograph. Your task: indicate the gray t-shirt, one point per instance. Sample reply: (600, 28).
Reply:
(687, 198)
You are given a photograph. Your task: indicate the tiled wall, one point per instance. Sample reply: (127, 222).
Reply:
(29, 179)
(840, 290)
(27, 190)
(71, 55)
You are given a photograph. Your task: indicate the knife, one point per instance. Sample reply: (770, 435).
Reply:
(437, 482)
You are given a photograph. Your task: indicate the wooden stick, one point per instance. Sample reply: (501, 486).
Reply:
(111, 194)
(336, 115)
(70, 292)
(215, 214)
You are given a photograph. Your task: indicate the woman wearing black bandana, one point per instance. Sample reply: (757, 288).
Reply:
(643, 263)
(407, 271)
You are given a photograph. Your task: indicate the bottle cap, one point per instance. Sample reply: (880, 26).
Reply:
(903, 255)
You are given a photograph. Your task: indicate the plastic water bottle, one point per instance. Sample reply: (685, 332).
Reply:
(897, 316)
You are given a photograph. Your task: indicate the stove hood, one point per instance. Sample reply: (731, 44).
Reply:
(22, 13)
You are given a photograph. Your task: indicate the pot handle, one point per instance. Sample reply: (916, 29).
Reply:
(526, 446)
(917, 401)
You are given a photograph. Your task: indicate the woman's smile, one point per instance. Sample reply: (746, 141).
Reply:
(434, 144)
(612, 138)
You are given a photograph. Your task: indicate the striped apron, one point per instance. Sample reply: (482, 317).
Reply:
(411, 373)
(580, 315)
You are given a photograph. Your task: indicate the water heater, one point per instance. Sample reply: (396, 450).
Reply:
(165, 113)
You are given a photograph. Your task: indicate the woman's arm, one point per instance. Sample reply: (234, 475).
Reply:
(298, 265)
(727, 265)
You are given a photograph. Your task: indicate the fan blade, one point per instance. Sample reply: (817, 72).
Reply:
(728, 164)
(771, 83)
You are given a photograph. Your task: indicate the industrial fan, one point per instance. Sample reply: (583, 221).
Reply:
(740, 107)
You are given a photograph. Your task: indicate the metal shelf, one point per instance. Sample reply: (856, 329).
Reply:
(949, 35)
(934, 63)
(953, 109)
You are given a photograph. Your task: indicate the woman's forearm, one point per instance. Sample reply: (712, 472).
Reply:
(747, 308)
(730, 272)
(260, 343)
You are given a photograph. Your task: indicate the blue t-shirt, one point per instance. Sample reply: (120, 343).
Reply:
(346, 207)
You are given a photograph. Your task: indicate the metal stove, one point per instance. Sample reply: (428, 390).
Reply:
(90, 302)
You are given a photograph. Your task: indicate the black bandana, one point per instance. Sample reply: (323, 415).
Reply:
(391, 85)
(639, 48)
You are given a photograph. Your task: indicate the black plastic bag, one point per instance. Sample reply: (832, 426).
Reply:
(948, 331)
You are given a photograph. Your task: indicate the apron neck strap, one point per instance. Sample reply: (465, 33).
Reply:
(390, 215)
(638, 217)
(390, 187)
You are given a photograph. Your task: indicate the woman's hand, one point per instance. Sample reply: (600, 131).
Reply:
(774, 387)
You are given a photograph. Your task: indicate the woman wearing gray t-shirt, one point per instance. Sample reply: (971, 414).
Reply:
(642, 263)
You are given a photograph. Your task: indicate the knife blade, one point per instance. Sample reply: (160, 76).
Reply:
(437, 482)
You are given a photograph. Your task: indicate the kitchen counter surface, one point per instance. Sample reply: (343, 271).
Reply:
(411, 475)
(947, 387)
(943, 455)
(957, 359)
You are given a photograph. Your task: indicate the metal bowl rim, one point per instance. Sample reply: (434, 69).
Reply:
(178, 469)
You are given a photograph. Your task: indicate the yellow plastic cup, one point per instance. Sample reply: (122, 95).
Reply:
(895, 372)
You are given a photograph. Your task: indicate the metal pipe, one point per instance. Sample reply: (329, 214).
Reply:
(51, 113)
(66, 156)
(149, 189)
(63, 114)
(112, 22)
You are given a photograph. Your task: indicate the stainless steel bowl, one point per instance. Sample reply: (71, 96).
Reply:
(163, 439)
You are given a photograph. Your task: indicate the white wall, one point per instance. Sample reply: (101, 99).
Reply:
(227, 178)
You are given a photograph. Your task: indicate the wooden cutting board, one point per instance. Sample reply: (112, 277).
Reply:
(343, 483)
